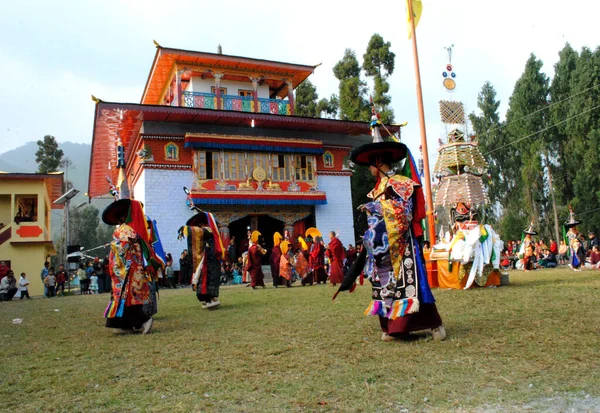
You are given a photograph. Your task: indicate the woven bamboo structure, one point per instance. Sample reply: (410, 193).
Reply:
(452, 112)
(458, 157)
(464, 188)
(459, 168)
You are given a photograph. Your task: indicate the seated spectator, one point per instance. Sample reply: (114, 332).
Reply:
(504, 261)
(548, 259)
(8, 286)
(594, 263)
(426, 247)
(562, 253)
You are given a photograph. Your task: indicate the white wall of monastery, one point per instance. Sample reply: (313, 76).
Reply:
(139, 189)
(165, 203)
(162, 193)
(336, 215)
(198, 84)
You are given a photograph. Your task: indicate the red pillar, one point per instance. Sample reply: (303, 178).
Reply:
(255, 94)
(179, 91)
(218, 77)
(290, 96)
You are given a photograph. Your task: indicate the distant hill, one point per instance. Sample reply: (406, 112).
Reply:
(7, 167)
(22, 159)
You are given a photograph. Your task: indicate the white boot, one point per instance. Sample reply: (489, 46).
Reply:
(147, 326)
(121, 331)
(439, 333)
(387, 337)
(214, 303)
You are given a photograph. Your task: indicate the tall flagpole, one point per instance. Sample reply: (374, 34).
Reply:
(428, 194)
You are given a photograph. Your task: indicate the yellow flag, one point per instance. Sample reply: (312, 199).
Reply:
(417, 8)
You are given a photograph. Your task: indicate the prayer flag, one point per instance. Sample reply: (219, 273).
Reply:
(417, 8)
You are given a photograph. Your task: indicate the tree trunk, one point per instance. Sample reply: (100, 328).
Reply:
(555, 212)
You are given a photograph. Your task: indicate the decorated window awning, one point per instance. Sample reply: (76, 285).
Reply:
(259, 198)
(253, 143)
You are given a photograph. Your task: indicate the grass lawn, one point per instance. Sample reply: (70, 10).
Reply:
(535, 341)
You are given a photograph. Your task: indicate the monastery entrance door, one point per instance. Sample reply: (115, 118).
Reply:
(265, 224)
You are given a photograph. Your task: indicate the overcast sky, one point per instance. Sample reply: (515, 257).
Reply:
(55, 54)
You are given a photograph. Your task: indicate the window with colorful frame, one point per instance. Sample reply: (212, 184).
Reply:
(281, 167)
(245, 93)
(238, 165)
(172, 152)
(204, 165)
(328, 159)
(304, 166)
(223, 90)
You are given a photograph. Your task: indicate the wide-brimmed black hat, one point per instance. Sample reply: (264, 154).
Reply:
(572, 222)
(530, 230)
(386, 152)
(197, 220)
(115, 211)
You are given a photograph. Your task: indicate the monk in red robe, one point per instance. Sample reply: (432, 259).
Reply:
(335, 253)
(275, 258)
(255, 253)
(317, 261)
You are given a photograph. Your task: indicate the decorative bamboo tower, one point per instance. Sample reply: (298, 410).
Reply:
(460, 166)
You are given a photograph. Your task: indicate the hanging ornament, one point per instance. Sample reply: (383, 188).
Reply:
(449, 74)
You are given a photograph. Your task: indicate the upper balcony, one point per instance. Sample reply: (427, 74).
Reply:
(223, 82)
(204, 100)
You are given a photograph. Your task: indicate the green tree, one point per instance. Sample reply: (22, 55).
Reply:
(352, 90)
(530, 97)
(583, 137)
(48, 155)
(489, 132)
(353, 106)
(88, 231)
(378, 63)
(328, 107)
(306, 99)
(84, 224)
(558, 137)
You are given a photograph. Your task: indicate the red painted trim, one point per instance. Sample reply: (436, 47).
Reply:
(255, 141)
(29, 231)
(334, 173)
(245, 195)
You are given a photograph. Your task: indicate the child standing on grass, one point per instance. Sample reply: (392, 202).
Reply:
(23, 286)
(50, 282)
(237, 274)
(171, 274)
(94, 283)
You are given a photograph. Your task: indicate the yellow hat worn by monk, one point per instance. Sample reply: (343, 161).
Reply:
(312, 232)
(277, 239)
(285, 247)
(254, 236)
(303, 243)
